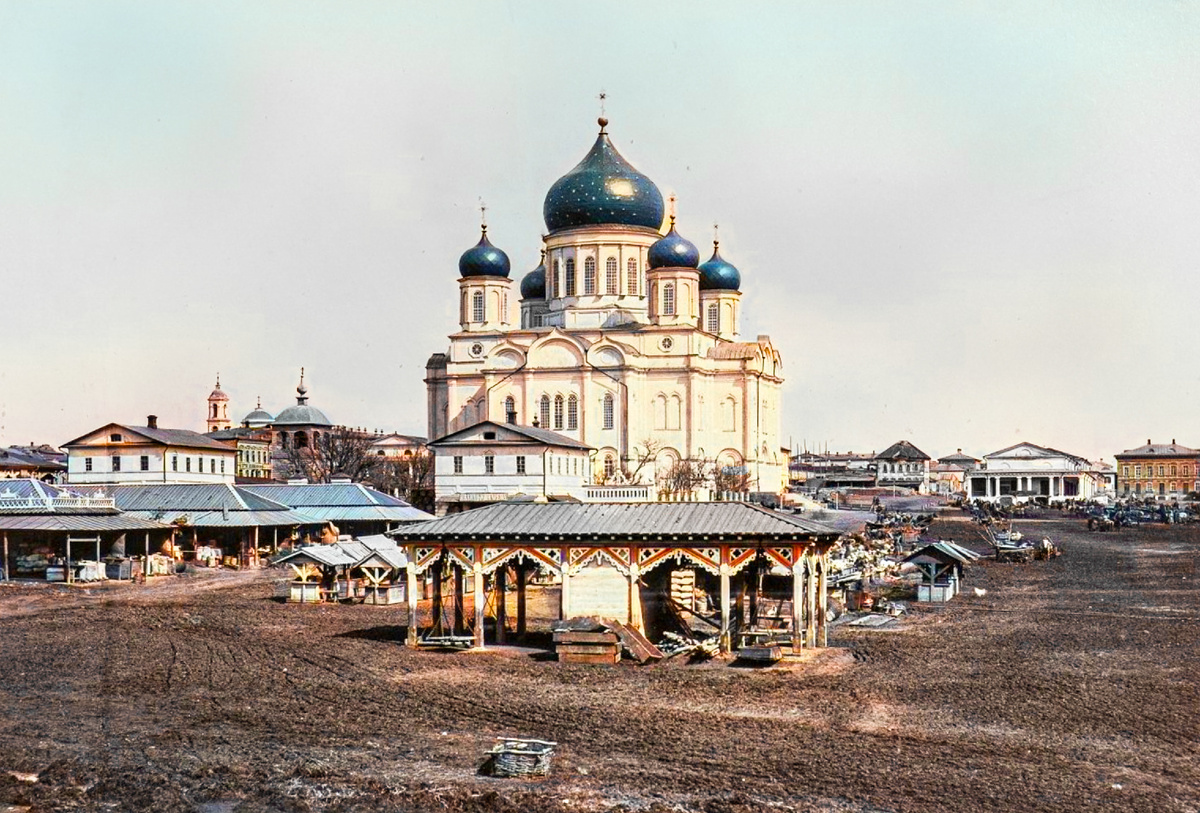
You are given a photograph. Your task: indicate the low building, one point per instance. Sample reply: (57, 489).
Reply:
(395, 445)
(42, 462)
(946, 479)
(353, 507)
(1027, 472)
(963, 461)
(903, 465)
(617, 561)
(490, 462)
(121, 453)
(1160, 470)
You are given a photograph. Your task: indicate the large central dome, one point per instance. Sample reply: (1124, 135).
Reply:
(603, 189)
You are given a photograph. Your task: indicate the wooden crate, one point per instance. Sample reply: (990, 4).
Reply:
(587, 647)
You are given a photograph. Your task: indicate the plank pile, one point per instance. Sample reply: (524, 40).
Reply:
(587, 646)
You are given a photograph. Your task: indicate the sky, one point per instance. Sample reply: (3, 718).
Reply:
(962, 224)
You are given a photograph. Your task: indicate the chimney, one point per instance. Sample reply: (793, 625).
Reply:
(1148, 443)
(151, 421)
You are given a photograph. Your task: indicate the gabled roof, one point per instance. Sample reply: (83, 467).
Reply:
(958, 457)
(184, 438)
(944, 552)
(700, 521)
(529, 433)
(902, 450)
(1035, 451)
(17, 458)
(221, 505)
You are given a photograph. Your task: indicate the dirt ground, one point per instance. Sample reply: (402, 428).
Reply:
(1070, 685)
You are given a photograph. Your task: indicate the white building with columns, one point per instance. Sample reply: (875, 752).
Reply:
(1027, 472)
(622, 339)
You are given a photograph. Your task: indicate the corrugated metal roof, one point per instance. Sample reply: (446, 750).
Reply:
(170, 437)
(328, 555)
(183, 497)
(324, 494)
(67, 523)
(701, 520)
(228, 519)
(372, 513)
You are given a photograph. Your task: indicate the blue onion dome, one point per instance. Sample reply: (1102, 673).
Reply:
(718, 275)
(483, 260)
(603, 188)
(673, 251)
(533, 284)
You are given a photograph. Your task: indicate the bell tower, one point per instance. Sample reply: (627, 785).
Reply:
(218, 409)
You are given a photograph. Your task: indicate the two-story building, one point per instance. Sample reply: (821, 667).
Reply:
(1158, 469)
(903, 465)
(120, 453)
(490, 462)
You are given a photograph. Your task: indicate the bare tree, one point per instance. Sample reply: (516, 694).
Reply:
(339, 451)
(409, 478)
(643, 455)
(730, 478)
(683, 476)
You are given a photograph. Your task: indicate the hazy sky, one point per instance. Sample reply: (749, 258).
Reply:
(965, 224)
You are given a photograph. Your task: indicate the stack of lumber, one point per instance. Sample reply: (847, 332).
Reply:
(587, 646)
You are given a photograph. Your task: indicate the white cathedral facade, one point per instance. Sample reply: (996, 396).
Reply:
(622, 339)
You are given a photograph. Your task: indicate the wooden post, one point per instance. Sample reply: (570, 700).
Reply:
(436, 605)
(635, 596)
(275, 539)
(810, 600)
(522, 575)
(822, 600)
(499, 581)
(97, 548)
(480, 599)
(564, 606)
(797, 598)
(67, 571)
(410, 591)
(726, 633)
(256, 544)
(7, 574)
(460, 623)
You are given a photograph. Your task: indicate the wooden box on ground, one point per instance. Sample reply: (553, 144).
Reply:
(587, 647)
(384, 594)
(304, 592)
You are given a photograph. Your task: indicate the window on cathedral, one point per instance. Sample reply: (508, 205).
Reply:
(555, 280)
(610, 466)
(589, 275)
(729, 414)
(660, 412)
(668, 303)
(572, 412)
(714, 318)
(558, 412)
(611, 277)
(631, 274)
(544, 412)
(607, 411)
(510, 409)
(477, 306)
(570, 280)
(674, 408)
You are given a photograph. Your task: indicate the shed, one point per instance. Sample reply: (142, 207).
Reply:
(941, 565)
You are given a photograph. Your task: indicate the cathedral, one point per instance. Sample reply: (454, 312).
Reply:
(621, 339)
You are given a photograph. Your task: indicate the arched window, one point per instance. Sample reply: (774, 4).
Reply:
(674, 405)
(301, 440)
(668, 307)
(510, 409)
(631, 277)
(558, 412)
(714, 318)
(555, 280)
(729, 414)
(462, 309)
(611, 277)
(570, 289)
(477, 306)
(504, 307)
(572, 412)
(607, 411)
(610, 466)
(660, 412)
(544, 412)
(589, 275)
(214, 410)
(283, 440)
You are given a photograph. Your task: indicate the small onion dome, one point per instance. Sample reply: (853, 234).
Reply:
(718, 275)
(533, 284)
(603, 188)
(674, 251)
(483, 260)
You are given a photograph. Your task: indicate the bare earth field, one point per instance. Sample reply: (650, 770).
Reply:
(1071, 685)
